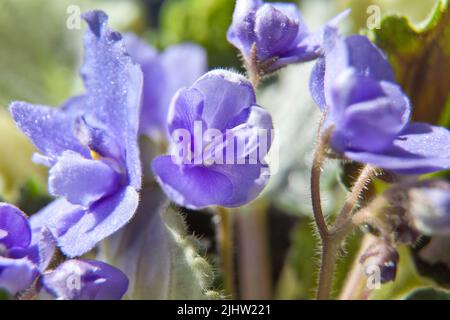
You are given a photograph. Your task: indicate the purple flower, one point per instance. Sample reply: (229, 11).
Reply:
(85, 280)
(24, 252)
(370, 114)
(277, 31)
(164, 74)
(211, 168)
(90, 145)
(430, 207)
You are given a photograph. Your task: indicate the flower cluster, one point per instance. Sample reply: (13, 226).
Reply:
(213, 140)
(91, 146)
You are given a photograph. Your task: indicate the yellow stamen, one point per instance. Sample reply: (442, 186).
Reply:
(95, 155)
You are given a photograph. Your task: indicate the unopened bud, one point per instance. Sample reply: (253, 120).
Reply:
(384, 258)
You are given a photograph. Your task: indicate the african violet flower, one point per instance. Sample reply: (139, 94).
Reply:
(90, 145)
(277, 31)
(19, 257)
(213, 170)
(164, 74)
(85, 280)
(368, 112)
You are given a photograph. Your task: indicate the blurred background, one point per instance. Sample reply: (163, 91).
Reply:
(39, 60)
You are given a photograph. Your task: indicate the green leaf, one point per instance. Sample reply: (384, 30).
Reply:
(428, 294)
(3, 295)
(33, 196)
(160, 259)
(38, 53)
(420, 56)
(201, 21)
(16, 166)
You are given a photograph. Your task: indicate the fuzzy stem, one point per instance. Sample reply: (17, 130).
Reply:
(343, 226)
(252, 68)
(364, 178)
(316, 171)
(225, 240)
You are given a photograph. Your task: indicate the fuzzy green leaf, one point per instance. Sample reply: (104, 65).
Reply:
(160, 259)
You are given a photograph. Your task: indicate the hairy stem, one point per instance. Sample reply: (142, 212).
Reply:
(364, 178)
(316, 171)
(343, 226)
(225, 240)
(252, 68)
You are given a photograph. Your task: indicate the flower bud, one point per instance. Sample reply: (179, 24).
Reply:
(382, 257)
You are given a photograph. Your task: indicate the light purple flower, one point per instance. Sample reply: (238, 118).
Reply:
(277, 31)
(430, 207)
(164, 73)
(369, 113)
(223, 102)
(90, 145)
(24, 252)
(85, 280)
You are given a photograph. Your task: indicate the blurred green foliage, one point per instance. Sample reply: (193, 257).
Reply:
(420, 55)
(201, 21)
(428, 294)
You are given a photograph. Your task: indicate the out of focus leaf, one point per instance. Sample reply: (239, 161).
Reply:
(3, 295)
(33, 196)
(428, 294)
(420, 55)
(416, 10)
(159, 258)
(15, 163)
(201, 21)
(39, 54)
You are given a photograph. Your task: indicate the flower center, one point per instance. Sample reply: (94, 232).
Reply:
(95, 155)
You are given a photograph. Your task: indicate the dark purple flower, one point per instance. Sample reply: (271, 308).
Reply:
(369, 113)
(90, 145)
(211, 119)
(164, 73)
(85, 280)
(277, 31)
(24, 252)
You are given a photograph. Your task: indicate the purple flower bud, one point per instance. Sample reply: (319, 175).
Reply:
(85, 280)
(277, 33)
(381, 260)
(430, 208)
